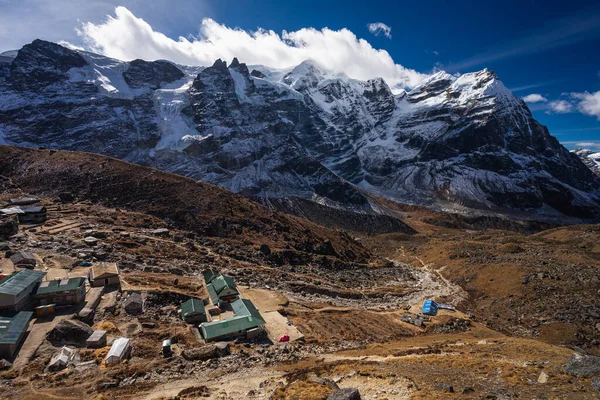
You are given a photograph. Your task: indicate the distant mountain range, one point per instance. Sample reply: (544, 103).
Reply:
(453, 142)
(590, 158)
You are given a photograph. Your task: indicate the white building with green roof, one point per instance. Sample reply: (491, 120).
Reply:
(16, 290)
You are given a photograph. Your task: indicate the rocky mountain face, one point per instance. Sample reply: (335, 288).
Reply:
(452, 142)
(589, 158)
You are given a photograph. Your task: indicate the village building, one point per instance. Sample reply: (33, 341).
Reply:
(209, 275)
(24, 259)
(62, 359)
(27, 214)
(119, 351)
(104, 274)
(12, 333)
(23, 201)
(61, 292)
(246, 318)
(134, 304)
(96, 340)
(16, 289)
(222, 288)
(193, 311)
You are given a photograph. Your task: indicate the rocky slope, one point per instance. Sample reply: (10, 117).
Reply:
(451, 142)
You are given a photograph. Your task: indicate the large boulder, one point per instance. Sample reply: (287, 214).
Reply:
(345, 394)
(8, 226)
(583, 366)
(4, 365)
(71, 332)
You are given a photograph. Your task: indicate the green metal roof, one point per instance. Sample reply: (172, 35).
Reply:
(59, 285)
(16, 283)
(11, 329)
(192, 306)
(246, 316)
(209, 275)
(244, 307)
(222, 282)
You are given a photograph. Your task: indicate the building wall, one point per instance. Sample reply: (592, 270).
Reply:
(114, 280)
(62, 298)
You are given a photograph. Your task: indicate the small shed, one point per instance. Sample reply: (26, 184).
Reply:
(193, 311)
(62, 359)
(104, 274)
(24, 259)
(96, 340)
(27, 214)
(134, 303)
(119, 351)
(430, 307)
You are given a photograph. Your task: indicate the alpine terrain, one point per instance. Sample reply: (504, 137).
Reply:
(452, 142)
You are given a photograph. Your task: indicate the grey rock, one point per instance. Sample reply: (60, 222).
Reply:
(596, 384)
(583, 365)
(345, 394)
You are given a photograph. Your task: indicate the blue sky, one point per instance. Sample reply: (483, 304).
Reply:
(549, 48)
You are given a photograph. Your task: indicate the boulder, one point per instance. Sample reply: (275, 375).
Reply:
(201, 353)
(90, 241)
(324, 381)
(223, 349)
(345, 394)
(70, 331)
(596, 384)
(4, 365)
(9, 226)
(583, 366)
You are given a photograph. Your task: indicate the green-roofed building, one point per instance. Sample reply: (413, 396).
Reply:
(193, 312)
(16, 290)
(245, 318)
(222, 288)
(12, 332)
(209, 275)
(61, 292)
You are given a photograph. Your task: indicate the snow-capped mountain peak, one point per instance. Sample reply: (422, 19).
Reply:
(303, 131)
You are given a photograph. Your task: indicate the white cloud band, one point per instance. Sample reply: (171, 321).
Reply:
(377, 28)
(127, 37)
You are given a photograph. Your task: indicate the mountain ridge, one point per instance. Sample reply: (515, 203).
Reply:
(451, 142)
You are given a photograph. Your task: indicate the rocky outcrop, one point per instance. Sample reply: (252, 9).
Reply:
(583, 366)
(70, 331)
(151, 74)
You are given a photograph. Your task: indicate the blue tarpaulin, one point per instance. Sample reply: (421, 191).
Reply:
(430, 307)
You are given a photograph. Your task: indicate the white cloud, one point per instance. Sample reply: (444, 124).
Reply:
(589, 103)
(127, 37)
(534, 98)
(559, 107)
(379, 27)
(590, 144)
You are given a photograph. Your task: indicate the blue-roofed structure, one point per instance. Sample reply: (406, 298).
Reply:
(430, 307)
(12, 332)
(16, 290)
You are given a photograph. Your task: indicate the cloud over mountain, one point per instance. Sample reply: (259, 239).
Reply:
(125, 36)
